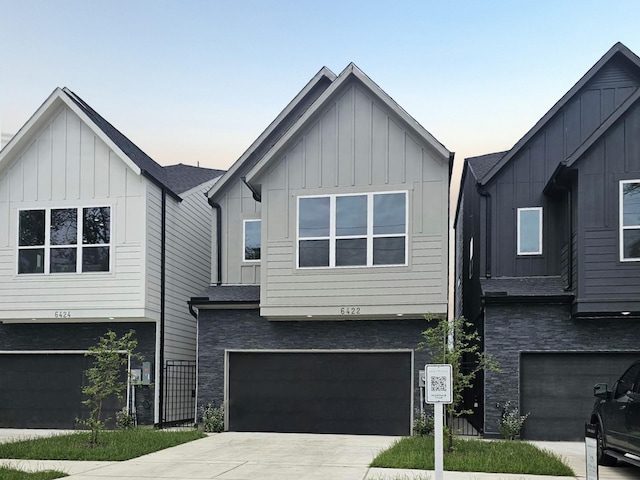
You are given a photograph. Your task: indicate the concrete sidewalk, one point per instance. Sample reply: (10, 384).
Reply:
(244, 456)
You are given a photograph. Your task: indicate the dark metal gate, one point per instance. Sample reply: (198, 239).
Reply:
(180, 392)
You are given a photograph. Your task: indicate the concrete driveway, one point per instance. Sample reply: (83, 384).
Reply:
(244, 456)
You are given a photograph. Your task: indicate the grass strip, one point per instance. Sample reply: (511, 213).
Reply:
(7, 473)
(115, 445)
(474, 456)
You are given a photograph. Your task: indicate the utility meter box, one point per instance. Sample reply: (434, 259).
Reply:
(146, 373)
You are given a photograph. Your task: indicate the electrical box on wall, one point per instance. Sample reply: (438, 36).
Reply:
(146, 373)
(136, 376)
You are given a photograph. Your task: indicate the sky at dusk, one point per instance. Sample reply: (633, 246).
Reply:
(197, 81)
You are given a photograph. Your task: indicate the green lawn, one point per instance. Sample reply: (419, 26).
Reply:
(7, 473)
(114, 445)
(474, 456)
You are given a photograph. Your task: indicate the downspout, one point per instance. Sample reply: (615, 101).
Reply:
(163, 282)
(487, 197)
(218, 210)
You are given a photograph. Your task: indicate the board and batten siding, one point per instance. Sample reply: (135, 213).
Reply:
(188, 256)
(66, 165)
(237, 204)
(355, 144)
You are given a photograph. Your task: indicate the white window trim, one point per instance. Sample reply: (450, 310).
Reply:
(518, 243)
(47, 241)
(621, 222)
(244, 239)
(471, 257)
(369, 235)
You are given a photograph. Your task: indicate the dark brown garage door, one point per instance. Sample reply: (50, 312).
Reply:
(557, 390)
(320, 392)
(43, 390)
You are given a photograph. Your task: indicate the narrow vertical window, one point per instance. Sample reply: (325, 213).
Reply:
(630, 220)
(530, 231)
(471, 258)
(252, 240)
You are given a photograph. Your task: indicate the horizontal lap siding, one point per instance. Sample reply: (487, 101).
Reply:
(67, 166)
(600, 279)
(188, 256)
(355, 145)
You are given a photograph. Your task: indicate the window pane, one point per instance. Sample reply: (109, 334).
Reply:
(314, 253)
(351, 251)
(388, 251)
(389, 213)
(95, 259)
(95, 227)
(351, 215)
(631, 243)
(63, 260)
(64, 226)
(31, 260)
(314, 217)
(529, 231)
(252, 240)
(631, 204)
(31, 228)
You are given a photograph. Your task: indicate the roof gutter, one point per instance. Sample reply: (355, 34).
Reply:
(218, 210)
(256, 195)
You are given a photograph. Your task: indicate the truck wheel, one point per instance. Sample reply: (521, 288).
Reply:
(603, 458)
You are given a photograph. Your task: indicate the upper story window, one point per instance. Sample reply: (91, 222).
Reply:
(63, 240)
(471, 258)
(530, 231)
(252, 240)
(359, 230)
(630, 220)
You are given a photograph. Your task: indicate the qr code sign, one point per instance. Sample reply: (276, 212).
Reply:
(438, 384)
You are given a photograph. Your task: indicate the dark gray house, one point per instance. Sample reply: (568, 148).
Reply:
(330, 246)
(548, 242)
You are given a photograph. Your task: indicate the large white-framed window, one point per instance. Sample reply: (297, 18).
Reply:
(64, 240)
(252, 240)
(630, 220)
(352, 230)
(529, 231)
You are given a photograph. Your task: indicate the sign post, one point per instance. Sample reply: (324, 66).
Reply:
(438, 385)
(591, 450)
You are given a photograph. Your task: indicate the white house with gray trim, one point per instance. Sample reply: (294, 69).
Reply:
(95, 235)
(330, 244)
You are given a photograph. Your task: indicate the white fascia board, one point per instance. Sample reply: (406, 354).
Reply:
(351, 69)
(324, 72)
(17, 143)
(209, 184)
(41, 115)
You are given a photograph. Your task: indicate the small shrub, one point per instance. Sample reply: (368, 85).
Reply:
(423, 425)
(125, 420)
(213, 418)
(511, 422)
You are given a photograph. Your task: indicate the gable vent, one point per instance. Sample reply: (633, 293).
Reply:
(615, 74)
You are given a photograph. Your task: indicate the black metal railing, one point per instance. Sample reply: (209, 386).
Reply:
(179, 393)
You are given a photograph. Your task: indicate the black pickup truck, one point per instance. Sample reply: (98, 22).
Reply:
(617, 416)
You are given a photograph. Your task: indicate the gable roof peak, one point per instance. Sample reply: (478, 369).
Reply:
(617, 49)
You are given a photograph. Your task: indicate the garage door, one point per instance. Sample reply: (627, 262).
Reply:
(320, 392)
(557, 390)
(43, 390)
